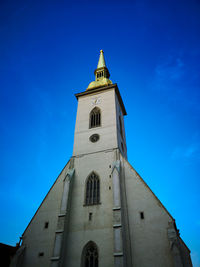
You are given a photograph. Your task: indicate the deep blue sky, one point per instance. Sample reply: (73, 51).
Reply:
(48, 52)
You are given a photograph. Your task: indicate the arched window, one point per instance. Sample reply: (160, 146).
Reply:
(90, 255)
(92, 192)
(95, 118)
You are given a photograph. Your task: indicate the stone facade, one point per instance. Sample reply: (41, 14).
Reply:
(128, 226)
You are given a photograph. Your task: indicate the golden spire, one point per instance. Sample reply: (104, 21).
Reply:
(101, 74)
(101, 62)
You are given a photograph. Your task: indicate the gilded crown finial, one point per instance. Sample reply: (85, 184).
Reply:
(101, 51)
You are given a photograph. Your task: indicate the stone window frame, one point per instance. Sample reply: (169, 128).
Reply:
(92, 190)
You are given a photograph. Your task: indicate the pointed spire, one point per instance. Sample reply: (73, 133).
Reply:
(101, 74)
(101, 62)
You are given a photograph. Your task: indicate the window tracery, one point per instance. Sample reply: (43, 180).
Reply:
(95, 117)
(92, 194)
(90, 255)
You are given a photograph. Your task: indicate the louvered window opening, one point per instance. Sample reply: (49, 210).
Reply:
(100, 74)
(92, 190)
(91, 256)
(95, 118)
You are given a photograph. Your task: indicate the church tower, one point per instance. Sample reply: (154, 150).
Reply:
(100, 212)
(99, 122)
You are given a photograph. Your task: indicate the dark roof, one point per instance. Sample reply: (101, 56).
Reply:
(6, 253)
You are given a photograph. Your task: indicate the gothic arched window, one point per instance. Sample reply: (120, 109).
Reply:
(95, 117)
(90, 255)
(92, 190)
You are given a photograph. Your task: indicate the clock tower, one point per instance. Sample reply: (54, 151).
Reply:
(99, 140)
(100, 113)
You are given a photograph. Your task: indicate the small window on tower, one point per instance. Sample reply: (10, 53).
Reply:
(41, 254)
(46, 225)
(90, 216)
(142, 215)
(95, 118)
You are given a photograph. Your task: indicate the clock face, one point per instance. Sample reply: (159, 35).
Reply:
(94, 138)
(96, 101)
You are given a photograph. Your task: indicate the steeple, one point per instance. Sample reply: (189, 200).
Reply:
(101, 62)
(101, 74)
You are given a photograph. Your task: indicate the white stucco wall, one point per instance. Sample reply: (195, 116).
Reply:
(149, 242)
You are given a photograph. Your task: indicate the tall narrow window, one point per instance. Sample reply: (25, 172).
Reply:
(120, 126)
(92, 194)
(95, 118)
(90, 255)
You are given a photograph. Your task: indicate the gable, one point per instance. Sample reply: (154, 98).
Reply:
(51, 202)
